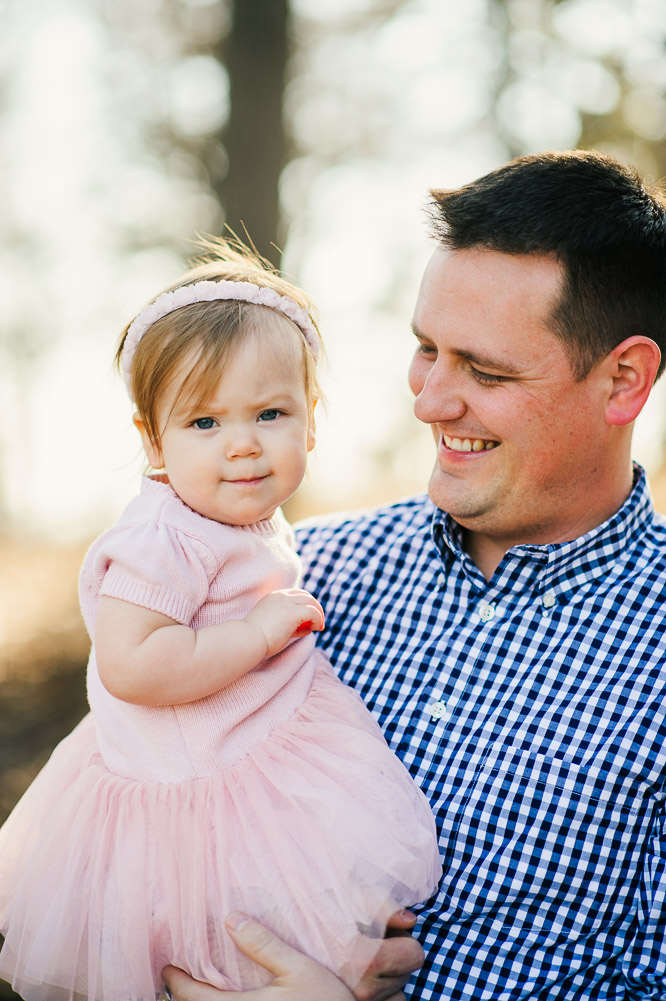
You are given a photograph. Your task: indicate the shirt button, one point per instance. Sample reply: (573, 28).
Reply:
(441, 579)
(548, 599)
(486, 611)
(437, 710)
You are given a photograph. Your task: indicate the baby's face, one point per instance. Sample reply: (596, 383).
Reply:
(242, 454)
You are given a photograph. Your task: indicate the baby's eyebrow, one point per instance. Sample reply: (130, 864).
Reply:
(188, 412)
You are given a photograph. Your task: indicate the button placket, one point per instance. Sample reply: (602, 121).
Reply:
(439, 710)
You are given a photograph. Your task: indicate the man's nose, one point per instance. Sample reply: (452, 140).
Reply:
(439, 398)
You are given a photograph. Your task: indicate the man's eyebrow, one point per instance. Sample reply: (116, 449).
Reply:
(485, 361)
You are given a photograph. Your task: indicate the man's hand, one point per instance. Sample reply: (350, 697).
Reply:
(297, 978)
(398, 957)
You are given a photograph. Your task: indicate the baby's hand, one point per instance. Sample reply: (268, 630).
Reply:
(282, 615)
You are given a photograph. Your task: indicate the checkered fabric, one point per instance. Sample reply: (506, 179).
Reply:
(531, 710)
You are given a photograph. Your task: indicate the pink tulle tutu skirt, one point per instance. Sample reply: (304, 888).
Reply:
(318, 832)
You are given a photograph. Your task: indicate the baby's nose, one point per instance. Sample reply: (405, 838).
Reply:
(242, 442)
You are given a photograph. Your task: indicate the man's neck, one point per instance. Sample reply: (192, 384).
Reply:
(484, 551)
(487, 550)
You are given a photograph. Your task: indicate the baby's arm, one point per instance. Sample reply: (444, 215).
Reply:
(148, 659)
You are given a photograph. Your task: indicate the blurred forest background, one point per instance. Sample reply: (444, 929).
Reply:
(317, 127)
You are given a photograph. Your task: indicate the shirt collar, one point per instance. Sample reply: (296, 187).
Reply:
(560, 567)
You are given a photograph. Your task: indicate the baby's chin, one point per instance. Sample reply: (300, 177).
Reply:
(237, 519)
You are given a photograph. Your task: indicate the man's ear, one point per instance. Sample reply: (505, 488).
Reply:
(153, 451)
(312, 428)
(633, 368)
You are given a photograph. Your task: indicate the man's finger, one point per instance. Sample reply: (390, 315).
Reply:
(262, 946)
(184, 988)
(296, 976)
(397, 957)
(400, 923)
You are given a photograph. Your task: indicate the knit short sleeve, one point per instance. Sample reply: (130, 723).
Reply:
(156, 565)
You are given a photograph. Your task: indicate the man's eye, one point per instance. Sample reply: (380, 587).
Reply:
(269, 415)
(426, 349)
(486, 378)
(203, 423)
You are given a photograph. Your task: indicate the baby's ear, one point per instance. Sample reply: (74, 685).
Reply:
(312, 428)
(152, 450)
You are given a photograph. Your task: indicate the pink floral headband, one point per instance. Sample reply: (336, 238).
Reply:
(210, 291)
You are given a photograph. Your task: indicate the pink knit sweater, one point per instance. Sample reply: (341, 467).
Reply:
(166, 557)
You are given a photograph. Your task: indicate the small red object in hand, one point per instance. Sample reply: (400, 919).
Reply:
(304, 628)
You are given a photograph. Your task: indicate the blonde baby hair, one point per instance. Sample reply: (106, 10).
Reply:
(228, 293)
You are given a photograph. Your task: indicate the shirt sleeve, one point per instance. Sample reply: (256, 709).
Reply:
(156, 566)
(644, 965)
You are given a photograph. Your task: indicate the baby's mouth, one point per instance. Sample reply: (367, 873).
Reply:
(469, 444)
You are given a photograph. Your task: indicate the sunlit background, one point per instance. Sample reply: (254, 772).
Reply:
(130, 126)
(117, 145)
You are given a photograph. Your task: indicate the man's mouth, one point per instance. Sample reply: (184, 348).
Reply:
(469, 444)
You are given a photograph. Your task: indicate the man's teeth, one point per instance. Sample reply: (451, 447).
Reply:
(468, 444)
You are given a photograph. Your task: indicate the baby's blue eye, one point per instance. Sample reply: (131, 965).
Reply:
(204, 423)
(269, 415)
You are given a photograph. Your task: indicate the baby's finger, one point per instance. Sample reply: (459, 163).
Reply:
(315, 623)
(317, 619)
(298, 592)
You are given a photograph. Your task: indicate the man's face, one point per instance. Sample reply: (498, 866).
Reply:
(520, 442)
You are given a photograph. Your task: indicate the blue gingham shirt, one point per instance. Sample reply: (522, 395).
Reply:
(531, 709)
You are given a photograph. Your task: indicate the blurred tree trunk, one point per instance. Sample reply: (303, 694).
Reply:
(499, 18)
(255, 53)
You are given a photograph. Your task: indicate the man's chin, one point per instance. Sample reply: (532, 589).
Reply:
(464, 506)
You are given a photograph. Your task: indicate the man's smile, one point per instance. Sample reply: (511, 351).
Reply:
(468, 444)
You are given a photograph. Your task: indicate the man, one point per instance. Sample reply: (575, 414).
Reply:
(509, 631)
